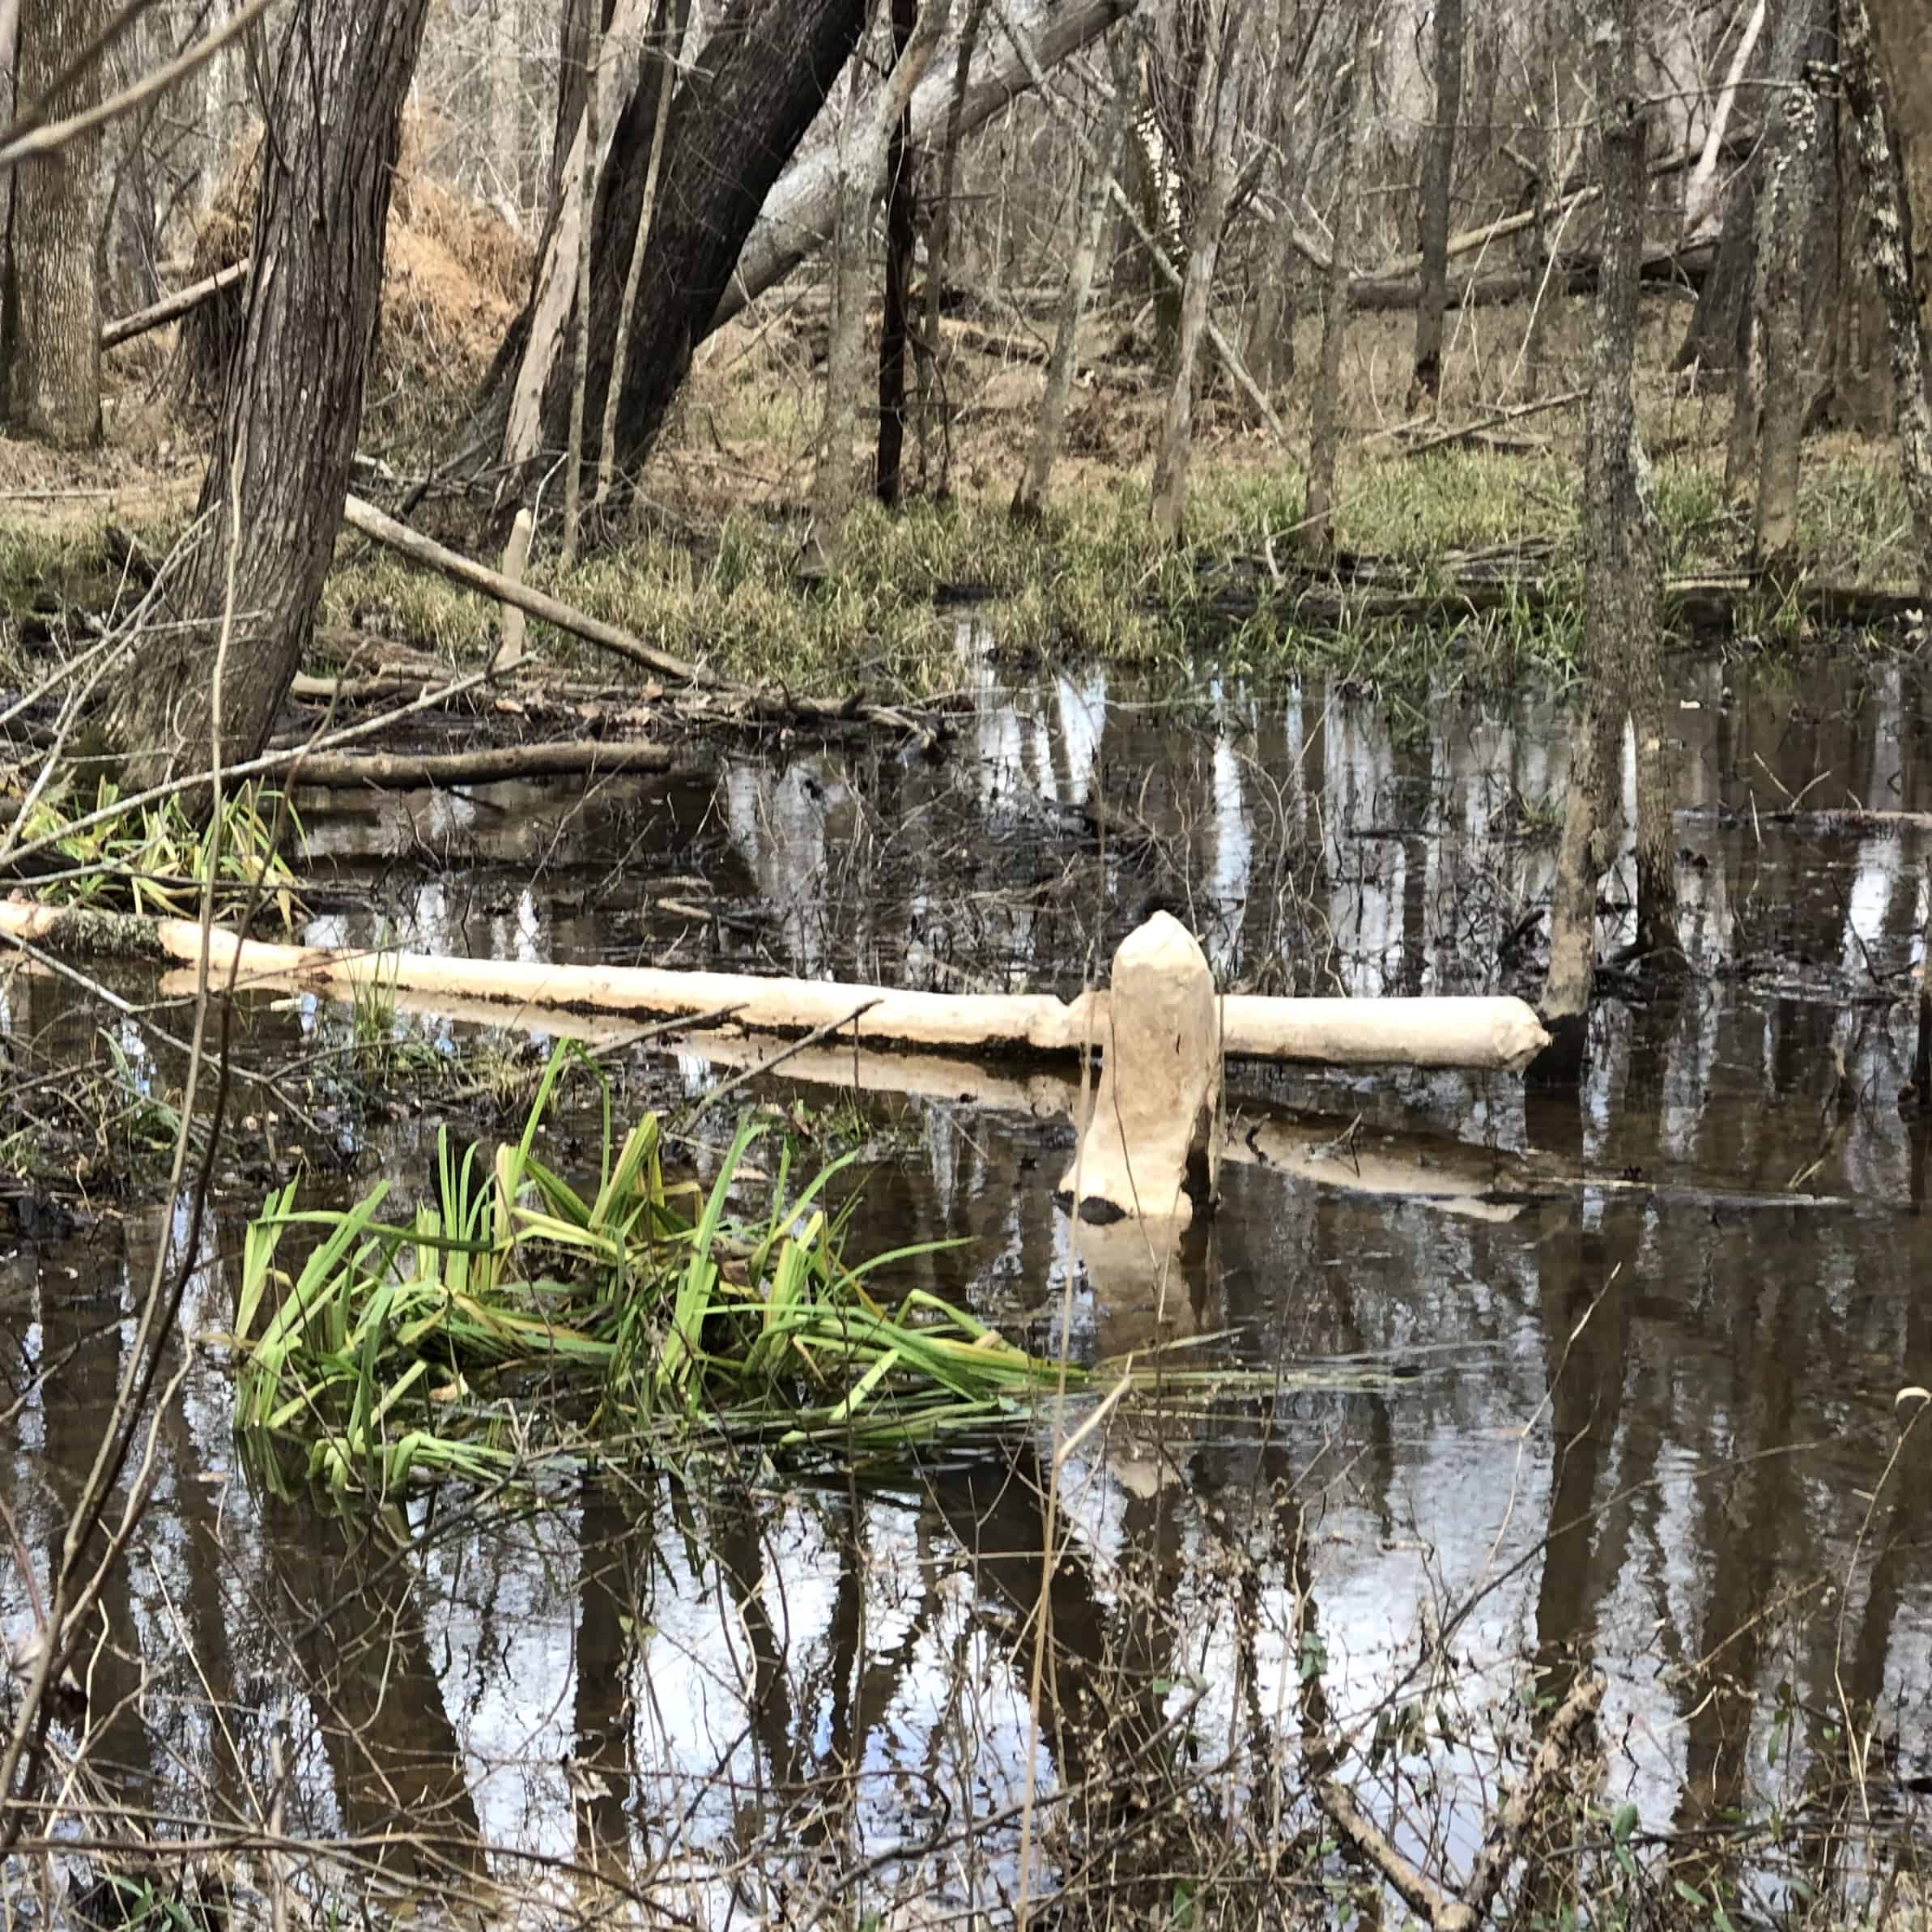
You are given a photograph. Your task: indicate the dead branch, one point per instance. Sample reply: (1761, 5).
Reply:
(1502, 1845)
(370, 521)
(1482, 426)
(408, 771)
(172, 308)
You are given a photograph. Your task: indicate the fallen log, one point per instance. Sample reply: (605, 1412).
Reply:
(413, 771)
(1490, 1034)
(172, 308)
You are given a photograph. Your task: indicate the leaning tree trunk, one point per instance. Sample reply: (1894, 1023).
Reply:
(1325, 425)
(52, 359)
(293, 405)
(755, 86)
(1435, 204)
(1890, 214)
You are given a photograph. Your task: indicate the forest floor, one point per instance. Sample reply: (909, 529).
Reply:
(1457, 536)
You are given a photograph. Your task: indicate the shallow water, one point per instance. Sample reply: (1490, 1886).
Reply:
(1648, 1346)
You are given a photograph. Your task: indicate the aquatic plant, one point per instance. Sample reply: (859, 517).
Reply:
(513, 1316)
(157, 859)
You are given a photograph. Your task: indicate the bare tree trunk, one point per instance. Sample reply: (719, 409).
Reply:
(673, 17)
(1217, 90)
(754, 86)
(1889, 214)
(1622, 543)
(859, 186)
(1788, 183)
(935, 413)
(1435, 186)
(1029, 499)
(582, 25)
(1325, 427)
(1899, 34)
(1621, 587)
(52, 372)
(293, 405)
(902, 238)
(1588, 845)
(574, 457)
(832, 478)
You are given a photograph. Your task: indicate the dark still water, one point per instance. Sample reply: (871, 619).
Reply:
(1622, 1376)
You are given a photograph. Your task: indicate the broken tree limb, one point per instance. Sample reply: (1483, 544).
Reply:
(398, 536)
(372, 522)
(1502, 1845)
(410, 771)
(170, 309)
(1499, 1034)
(1495, 420)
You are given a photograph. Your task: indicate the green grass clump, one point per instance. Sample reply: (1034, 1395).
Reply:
(635, 1315)
(157, 860)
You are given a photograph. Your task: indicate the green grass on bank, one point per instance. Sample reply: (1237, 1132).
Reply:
(1090, 581)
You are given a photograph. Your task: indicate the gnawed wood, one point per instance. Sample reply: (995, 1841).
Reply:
(1499, 1034)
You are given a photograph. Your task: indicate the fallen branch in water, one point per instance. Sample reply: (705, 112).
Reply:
(1823, 819)
(1502, 1845)
(406, 771)
(1502, 1034)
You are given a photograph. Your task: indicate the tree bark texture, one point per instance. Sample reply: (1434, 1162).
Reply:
(755, 86)
(1715, 339)
(52, 361)
(1888, 215)
(1624, 549)
(582, 25)
(902, 238)
(293, 405)
(1900, 40)
(1790, 184)
(1622, 546)
(1436, 184)
(1324, 426)
(1582, 858)
(673, 18)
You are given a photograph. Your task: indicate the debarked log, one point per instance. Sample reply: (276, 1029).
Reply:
(1497, 1034)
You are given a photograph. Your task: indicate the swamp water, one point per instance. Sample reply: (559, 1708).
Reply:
(1607, 1386)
